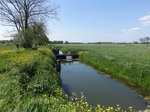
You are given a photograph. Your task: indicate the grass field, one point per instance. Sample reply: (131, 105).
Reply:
(128, 62)
(7, 47)
(29, 83)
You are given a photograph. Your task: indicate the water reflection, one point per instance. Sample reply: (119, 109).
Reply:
(99, 89)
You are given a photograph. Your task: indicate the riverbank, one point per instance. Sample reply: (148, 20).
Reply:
(128, 63)
(29, 83)
(27, 78)
(79, 77)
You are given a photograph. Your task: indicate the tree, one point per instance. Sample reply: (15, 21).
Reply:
(145, 40)
(23, 13)
(39, 31)
(35, 35)
(24, 38)
(66, 42)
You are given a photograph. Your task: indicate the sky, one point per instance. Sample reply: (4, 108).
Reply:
(98, 21)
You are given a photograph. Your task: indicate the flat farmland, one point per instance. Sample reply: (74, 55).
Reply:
(129, 62)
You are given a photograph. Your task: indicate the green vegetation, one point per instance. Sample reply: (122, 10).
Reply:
(25, 76)
(35, 35)
(128, 62)
(30, 83)
(7, 45)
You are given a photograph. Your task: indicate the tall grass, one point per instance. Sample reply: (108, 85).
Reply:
(25, 77)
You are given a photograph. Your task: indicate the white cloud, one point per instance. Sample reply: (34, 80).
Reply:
(145, 21)
(131, 30)
(145, 18)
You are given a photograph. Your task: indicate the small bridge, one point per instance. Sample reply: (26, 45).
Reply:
(67, 56)
(62, 56)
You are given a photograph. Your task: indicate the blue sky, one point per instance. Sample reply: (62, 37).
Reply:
(100, 20)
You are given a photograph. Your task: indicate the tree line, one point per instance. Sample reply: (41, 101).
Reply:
(145, 40)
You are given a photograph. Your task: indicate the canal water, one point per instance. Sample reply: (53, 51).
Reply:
(97, 88)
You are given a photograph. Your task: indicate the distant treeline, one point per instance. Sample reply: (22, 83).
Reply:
(6, 41)
(145, 40)
(66, 42)
(109, 43)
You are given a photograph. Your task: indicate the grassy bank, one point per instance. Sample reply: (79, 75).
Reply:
(128, 62)
(29, 83)
(25, 76)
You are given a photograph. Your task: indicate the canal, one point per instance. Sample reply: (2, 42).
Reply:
(97, 88)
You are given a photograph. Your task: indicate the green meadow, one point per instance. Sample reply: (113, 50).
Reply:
(29, 82)
(128, 62)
